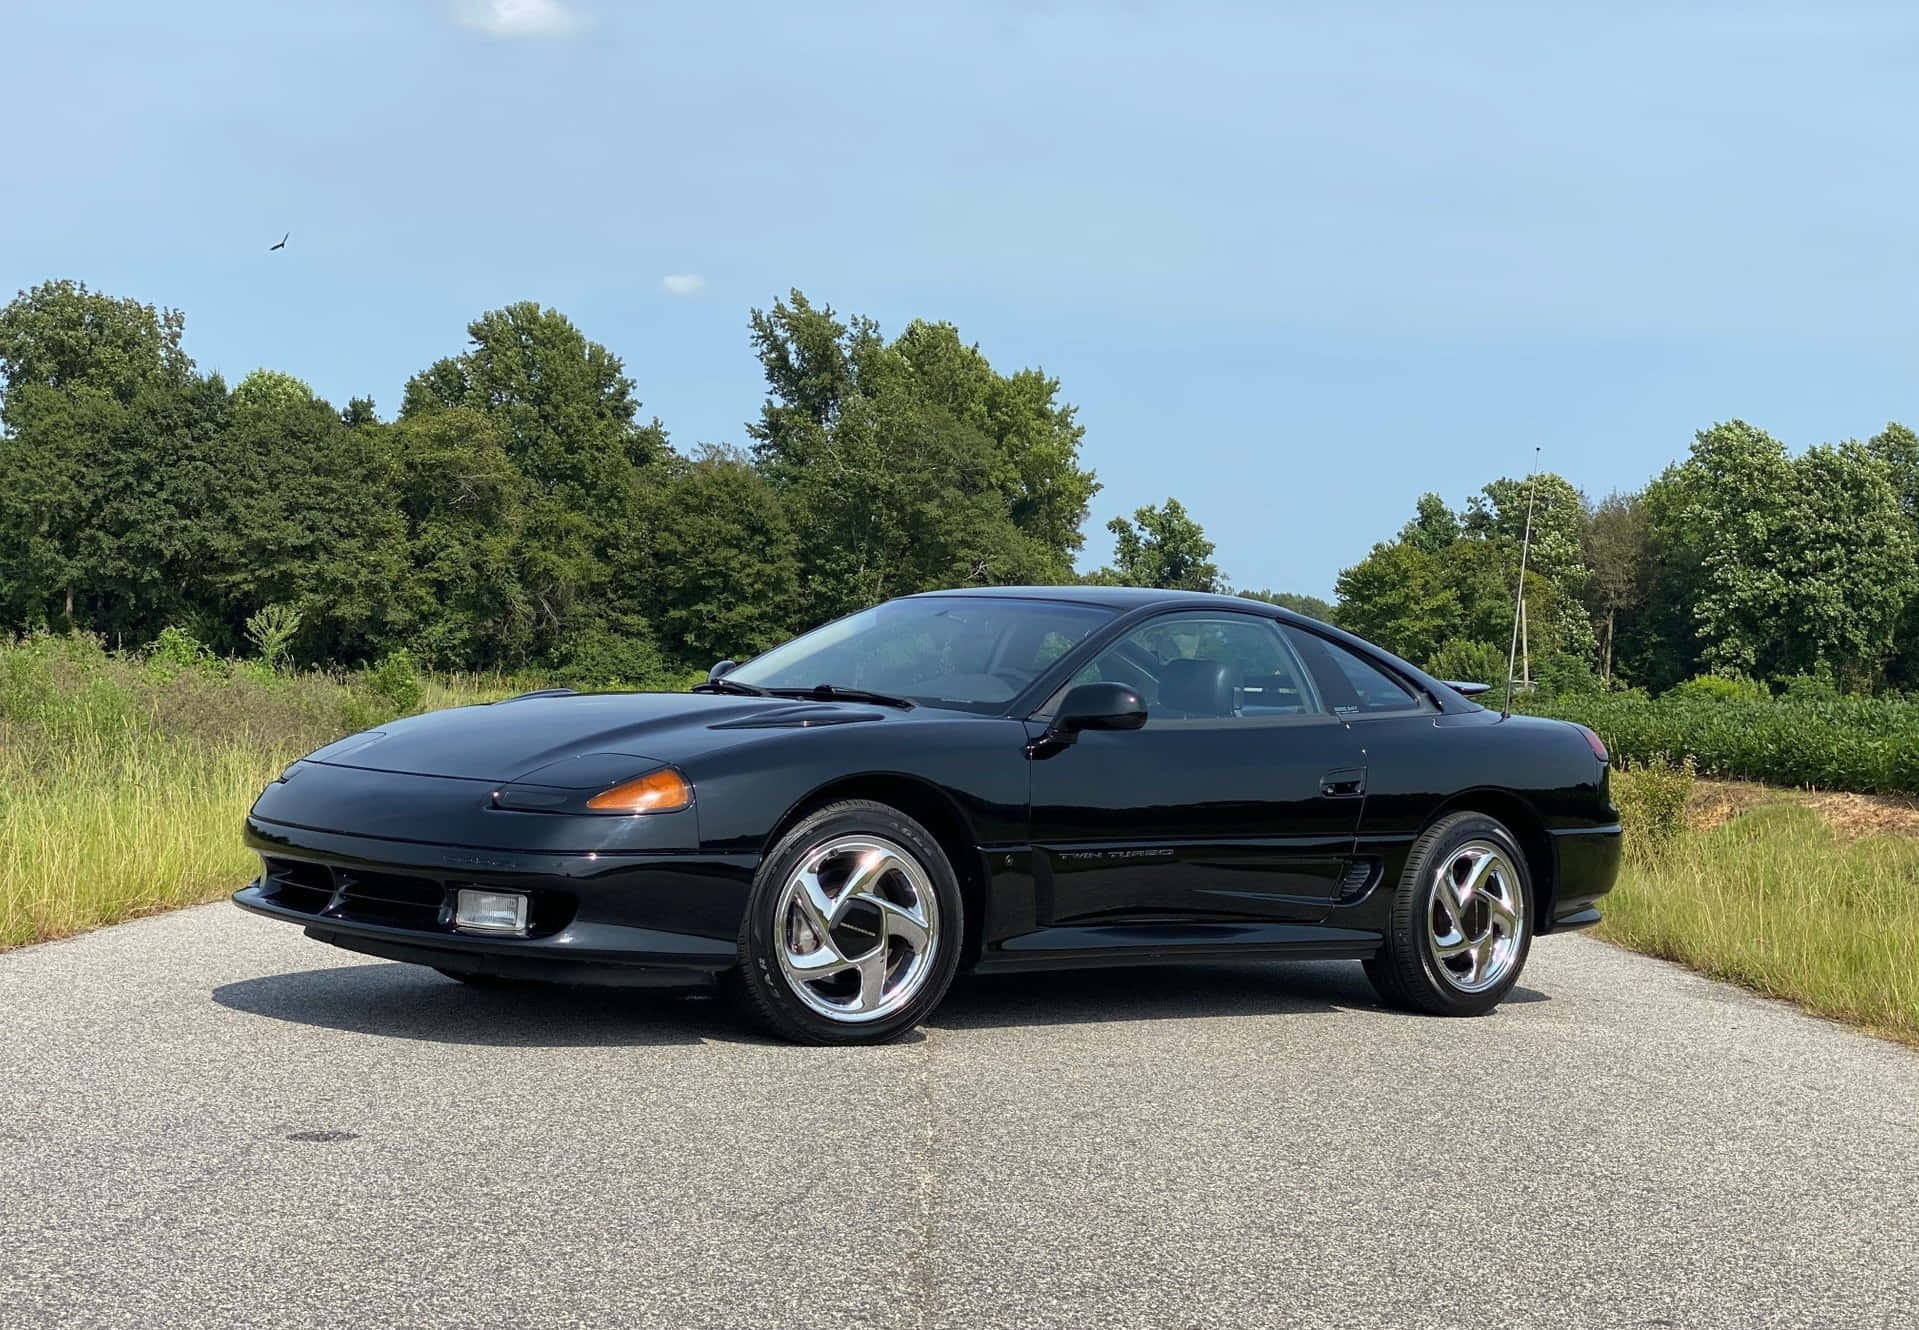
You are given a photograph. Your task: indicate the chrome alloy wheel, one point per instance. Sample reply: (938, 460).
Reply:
(1476, 922)
(857, 928)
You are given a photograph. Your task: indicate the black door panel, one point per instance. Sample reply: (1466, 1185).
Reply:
(1204, 819)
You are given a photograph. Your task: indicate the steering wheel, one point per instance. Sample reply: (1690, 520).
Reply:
(1012, 678)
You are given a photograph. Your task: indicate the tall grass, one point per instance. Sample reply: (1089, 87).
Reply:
(124, 780)
(1778, 901)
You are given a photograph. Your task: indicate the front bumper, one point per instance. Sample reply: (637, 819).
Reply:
(625, 918)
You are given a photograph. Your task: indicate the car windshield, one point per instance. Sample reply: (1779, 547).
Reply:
(972, 653)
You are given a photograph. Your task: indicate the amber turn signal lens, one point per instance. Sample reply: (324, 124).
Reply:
(662, 791)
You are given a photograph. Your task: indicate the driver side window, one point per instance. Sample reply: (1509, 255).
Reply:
(1208, 666)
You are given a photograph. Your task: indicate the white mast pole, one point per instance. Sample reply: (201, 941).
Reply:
(1519, 592)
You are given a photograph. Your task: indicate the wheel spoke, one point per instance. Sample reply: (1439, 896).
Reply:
(820, 964)
(1476, 877)
(872, 968)
(1447, 950)
(906, 925)
(1503, 913)
(1448, 897)
(821, 910)
(870, 872)
(1482, 958)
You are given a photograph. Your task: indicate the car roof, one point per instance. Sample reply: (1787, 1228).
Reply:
(1113, 597)
(1127, 598)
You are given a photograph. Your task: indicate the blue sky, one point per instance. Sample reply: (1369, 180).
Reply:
(1295, 264)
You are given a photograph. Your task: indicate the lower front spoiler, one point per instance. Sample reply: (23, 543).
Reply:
(585, 953)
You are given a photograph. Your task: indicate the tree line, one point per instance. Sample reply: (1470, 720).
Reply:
(1741, 561)
(519, 512)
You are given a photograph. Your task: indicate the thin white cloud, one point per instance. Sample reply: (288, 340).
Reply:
(518, 18)
(683, 284)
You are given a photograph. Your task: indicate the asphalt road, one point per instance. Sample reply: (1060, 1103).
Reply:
(207, 1120)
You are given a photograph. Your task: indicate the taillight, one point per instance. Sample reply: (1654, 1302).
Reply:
(1594, 742)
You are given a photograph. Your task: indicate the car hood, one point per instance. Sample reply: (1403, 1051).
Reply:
(541, 740)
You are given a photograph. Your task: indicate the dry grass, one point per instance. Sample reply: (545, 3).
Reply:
(1853, 816)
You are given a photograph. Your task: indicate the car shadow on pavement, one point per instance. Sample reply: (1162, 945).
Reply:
(1162, 992)
(398, 1001)
(410, 1002)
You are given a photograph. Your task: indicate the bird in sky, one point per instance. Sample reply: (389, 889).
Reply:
(282, 244)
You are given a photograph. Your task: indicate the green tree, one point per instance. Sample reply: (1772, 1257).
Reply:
(62, 336)
(464, 506)
(1898, 448)
(311, 522)
(728, 572)
(1398, 596)
(1737, 483)
(1461, 661)
(1497, 515)
(1162, 547)
(911, 464)
(1311, 606)
(1434, 527)
(1617, 540)
(1845, 559)
(109, 463)
(564, 411)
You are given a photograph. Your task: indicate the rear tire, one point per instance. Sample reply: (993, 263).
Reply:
(852, 930)
(1461, 923)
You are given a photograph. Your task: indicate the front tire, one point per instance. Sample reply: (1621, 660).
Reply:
(852, 931)
(1461, 923)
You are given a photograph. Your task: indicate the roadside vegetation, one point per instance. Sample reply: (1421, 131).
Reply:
(1868, 745)
(1798, 896)
(123, 778)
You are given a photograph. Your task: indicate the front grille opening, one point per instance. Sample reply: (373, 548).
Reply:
(390, 898)
(396, 900)
(297, 885)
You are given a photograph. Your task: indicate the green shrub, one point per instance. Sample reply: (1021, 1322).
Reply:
(1720, 688)
(1810, 688)
(174, 651)
(1463, 661)
(1564, 675)
(1850, 743)
(602, 658)
(1652, 797)
(392, 688)
(271, 631)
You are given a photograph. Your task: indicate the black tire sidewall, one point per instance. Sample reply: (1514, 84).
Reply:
(768, 996)
(1412, 921)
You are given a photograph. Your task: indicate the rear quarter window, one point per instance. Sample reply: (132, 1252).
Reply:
(1353, 686)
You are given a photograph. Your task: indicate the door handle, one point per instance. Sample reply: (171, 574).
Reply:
(1346, 783)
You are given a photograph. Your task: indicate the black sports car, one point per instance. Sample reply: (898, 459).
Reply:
(1002, 779)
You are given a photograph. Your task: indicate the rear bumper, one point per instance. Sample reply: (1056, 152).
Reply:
(1587, 864)
(614, 918)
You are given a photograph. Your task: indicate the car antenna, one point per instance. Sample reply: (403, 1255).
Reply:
(1519, 595)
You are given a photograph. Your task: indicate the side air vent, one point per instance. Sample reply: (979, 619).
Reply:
(1357, 878)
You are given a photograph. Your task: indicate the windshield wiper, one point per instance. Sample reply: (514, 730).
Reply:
(726, 685)
(832, 692)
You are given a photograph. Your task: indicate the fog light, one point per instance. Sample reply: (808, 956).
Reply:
(490, 912)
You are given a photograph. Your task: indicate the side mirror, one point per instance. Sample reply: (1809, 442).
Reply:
(1098, 706)
(721, 670)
